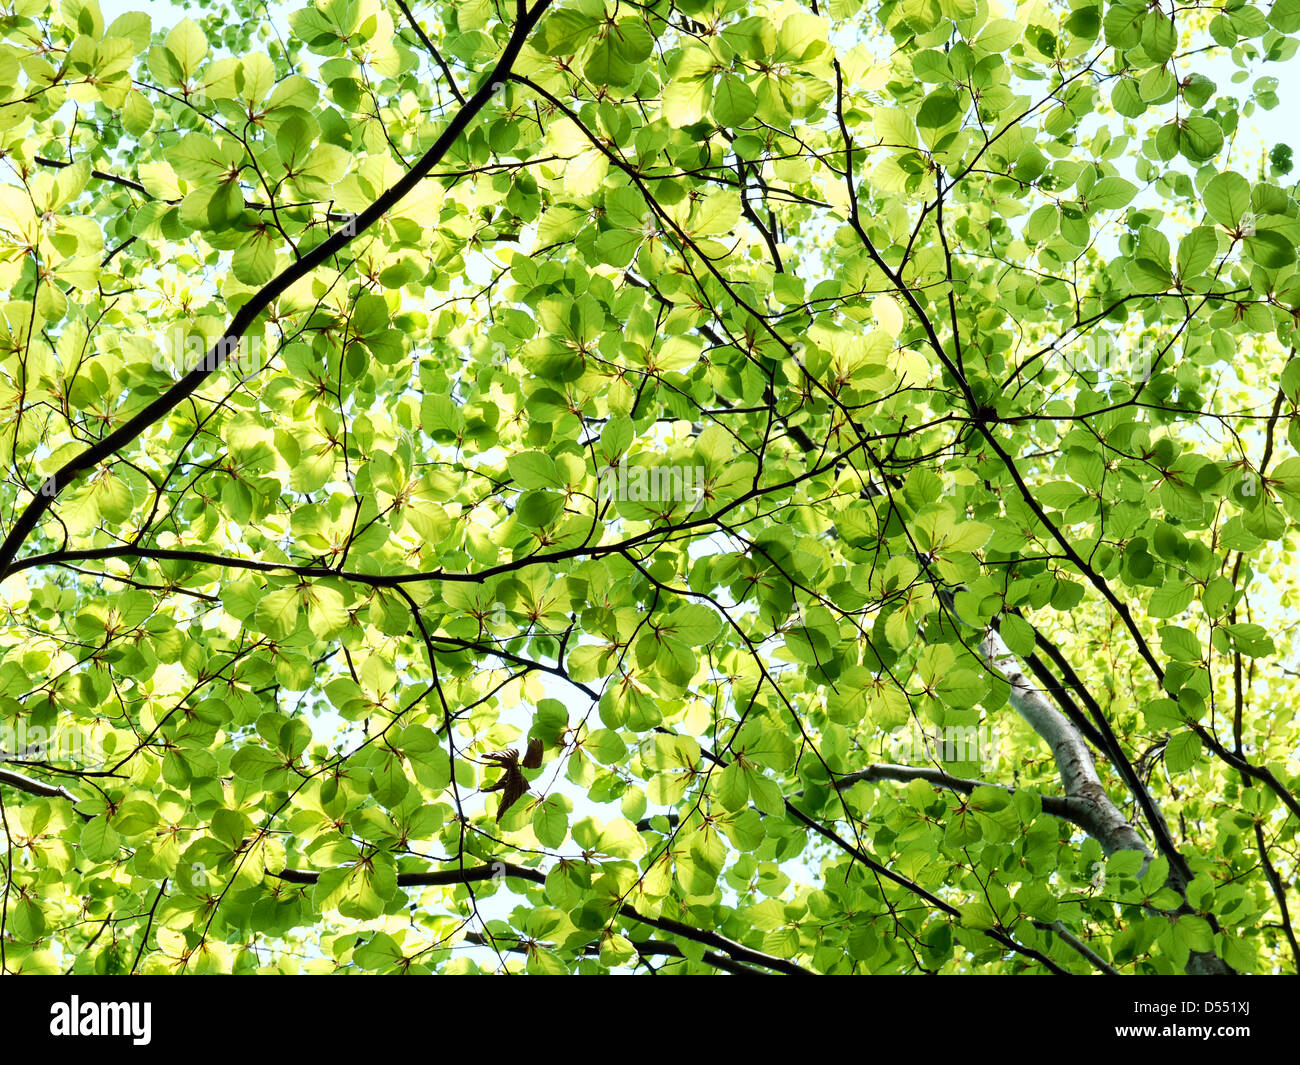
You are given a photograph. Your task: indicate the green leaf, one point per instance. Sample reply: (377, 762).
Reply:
(188, 46)
(539, 509)
(532, 469)
(1197, 251)
(733, 102)
(1227, 198)
(1181, 751)
(551, 821)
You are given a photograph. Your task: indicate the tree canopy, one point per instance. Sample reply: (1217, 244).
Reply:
(680, 486)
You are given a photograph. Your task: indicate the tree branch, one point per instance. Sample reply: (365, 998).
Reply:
(266, 296)
(498, 869)
(35, 787)
(432, 50)
(642, 946)
(1069, 808)
(1104, 822)
(934, 900)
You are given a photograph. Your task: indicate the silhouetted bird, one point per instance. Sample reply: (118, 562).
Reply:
(512, 783)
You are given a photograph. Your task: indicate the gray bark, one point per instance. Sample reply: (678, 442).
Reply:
(1099, 816)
